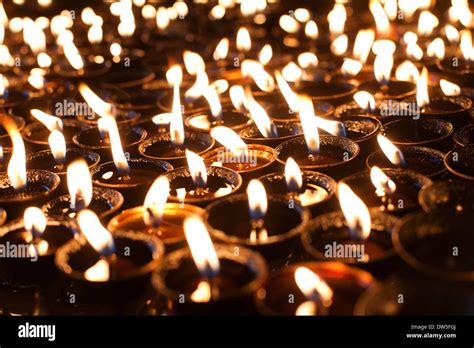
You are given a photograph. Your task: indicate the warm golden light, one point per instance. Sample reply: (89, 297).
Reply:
(449, 89)
(452, 34)
(197, 168)
(382, 183)
(120, 160)
(51, 122)
(257, 197)
(307, 60)
(255, 70)
(193, 62)
(436, 48)
(265, 54)
(407, 71)
(57, 143)
(34, 221)
(355, 211)
(99, 106)
(293, 176)
(199, 86)
(289, 24)
(229, 139)
(155, 201)
(238, 98)
(393, 154)
(204, 256)
(313, 287)
(383, 68)
(339, 45)
(79, 184)
(426, 23)
(244, 43)
(363, 44)
(260, 117)
(17, 166)
(291, 72)
(162, 19)
(351, 67)
(380, 16)
(466, 45)
(422, 97)
(221, 50)
(337, 19)
(72, 55)
(174, 75)
(290, 96)
(311, 30)
(97, 235)
(308, 122)
(365, 100)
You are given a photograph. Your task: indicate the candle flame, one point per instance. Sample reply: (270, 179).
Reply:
(257, 197)
(307, 60)
(36, 78)
(380, 16)
(193, 62)
(222, 49)
(426, 23)
(449, 89)
(197, 168)
(290, 96)
(115, 49)
(100, 272)
(337, 19)
(174, 75)
(436, 48)
(155, 201)
(422, 97)
(120, 160)
(263, 122)
(265, 54)
(162, 18)
(383, 67)
(293, 176)
(44, 60)
(383, 184)
(79, 184)
(255, 70)
(407, 71)
(332, 127)
(339, 45)
(313, 287)
(95, 33)
(355, 211)
(97, 235)
(34, 221)
(452, 34)
(212, 97)
(57, 143)
(306, 308)
(99, 106)
(311, 30)
(197, 89)
(51, 122)
(466, 45)
(72, 55)
(365, 100)
(229, 139)
(289, 24)
(291, 72)
(351, 67)
(393, 154)
(202, 249)
(17, 167)
(309, 123)
(244, 43)
(238, 98)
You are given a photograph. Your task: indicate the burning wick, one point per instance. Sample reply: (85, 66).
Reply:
(101, 240)
(258, 205)
(35, 224)
(205, 258)
(355, 211)
(198, 171)
(314, 289)
(384, 186)
(309, 123)
(79, 184)
(57, 143)
(394, 155)
(155, 201)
